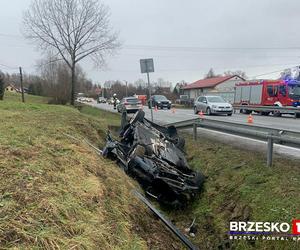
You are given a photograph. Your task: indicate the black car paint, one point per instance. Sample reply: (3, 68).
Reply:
(154, 156)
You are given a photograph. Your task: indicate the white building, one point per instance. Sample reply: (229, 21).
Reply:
(222, 84)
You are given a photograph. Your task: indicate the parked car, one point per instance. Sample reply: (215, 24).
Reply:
(101, 100)
(212, 105)
(160, 101)
(130, 104)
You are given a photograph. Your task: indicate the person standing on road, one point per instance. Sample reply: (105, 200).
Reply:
(115, 100)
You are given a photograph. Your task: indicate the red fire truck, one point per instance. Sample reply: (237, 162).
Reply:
(259, 96)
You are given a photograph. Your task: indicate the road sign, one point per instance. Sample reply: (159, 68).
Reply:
(147, 65)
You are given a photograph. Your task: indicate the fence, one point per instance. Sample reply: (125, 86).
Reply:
(290, 138)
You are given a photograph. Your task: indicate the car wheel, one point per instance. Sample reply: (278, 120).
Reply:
(195, 110)
(245, 111)
(277, 114)
(208, 111)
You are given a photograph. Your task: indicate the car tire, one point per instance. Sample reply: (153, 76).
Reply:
(208, 111)
(245, 111)
(195, 110)
(277, 114)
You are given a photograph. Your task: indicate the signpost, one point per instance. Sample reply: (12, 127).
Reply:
(147, 66)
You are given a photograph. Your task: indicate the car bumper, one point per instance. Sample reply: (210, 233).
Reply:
(222, 111)
(162, 105)
(133, 109)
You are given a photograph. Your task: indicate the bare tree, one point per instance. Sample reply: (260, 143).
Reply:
(75, 29)
(239, 73)
(211, 74)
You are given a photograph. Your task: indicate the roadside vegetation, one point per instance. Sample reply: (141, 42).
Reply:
(57, 193)
(238, 187)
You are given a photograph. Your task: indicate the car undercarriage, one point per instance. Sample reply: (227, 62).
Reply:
(154, 156)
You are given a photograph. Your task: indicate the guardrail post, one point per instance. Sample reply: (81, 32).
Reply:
(270, 151)
(195, 131)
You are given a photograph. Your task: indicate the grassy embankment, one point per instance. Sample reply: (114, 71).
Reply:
(57, 193)
(239, 187)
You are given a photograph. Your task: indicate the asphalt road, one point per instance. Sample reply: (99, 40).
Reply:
(169, 116)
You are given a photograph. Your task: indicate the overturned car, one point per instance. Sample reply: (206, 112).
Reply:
(154, 156)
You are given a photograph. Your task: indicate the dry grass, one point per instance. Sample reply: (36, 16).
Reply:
(57, 193)
(239, 187)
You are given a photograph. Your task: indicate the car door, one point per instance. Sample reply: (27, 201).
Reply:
(272, 94)
(204, 104)
(197, 103)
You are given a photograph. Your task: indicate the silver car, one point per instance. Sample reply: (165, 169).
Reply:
(129, 104)
(212, 105)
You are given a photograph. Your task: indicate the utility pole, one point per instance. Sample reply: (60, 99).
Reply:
(150, 97)
(21, 80)
(126, 90)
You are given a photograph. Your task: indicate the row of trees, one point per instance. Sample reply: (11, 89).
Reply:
(211, 73)
(139, 87)
(53, 81)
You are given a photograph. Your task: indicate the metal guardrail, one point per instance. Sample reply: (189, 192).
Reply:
(288, 137)
(283, 110)
(169, 225)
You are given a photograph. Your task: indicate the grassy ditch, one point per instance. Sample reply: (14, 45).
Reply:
(239, 187)
(57, 193)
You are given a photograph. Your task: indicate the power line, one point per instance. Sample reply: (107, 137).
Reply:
(183, 48)
(191, 48)
(7, 66)
(269, 73)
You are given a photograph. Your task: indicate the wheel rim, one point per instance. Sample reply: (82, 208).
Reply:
(208, 111)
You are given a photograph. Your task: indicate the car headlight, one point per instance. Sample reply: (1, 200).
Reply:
(214, 106)
(170, 102)
(158, 102)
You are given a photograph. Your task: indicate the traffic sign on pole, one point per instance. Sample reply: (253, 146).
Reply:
(147, 66)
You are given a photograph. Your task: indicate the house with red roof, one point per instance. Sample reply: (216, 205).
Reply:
(224, 84)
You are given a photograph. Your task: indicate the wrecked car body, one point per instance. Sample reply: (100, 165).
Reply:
(154, 156)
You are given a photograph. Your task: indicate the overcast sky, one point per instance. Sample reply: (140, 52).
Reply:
(185, 38)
